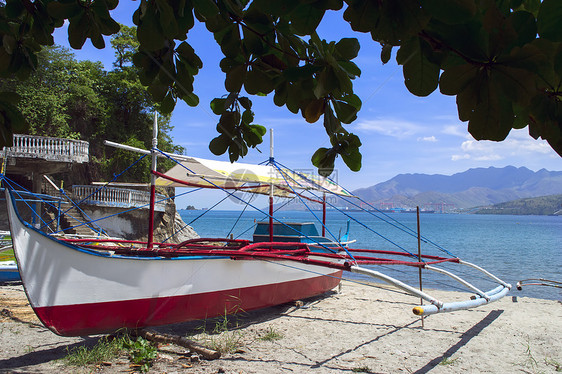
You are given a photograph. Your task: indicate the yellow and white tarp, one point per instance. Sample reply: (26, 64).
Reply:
(253, 178)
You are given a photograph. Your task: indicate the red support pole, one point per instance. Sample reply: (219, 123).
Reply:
(150, 241)
(270, 218)
(324, 215)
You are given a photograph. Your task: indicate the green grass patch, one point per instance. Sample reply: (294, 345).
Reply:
(448, 361)
(140, 351)
(271, 334)
(7, 255)
(105, 350)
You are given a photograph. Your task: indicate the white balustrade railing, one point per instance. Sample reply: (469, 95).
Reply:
(117, 197)
(52, 149)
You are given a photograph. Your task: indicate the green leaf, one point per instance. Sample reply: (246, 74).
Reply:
(454, 79)
(314, 110)
(190, 99)
(247, 117)
(188, 55)
(275, 8)
(253, 42)
(167, 105)
(228, 122)
(348, 48)
(350, 68)
(525, 25)
(294, 74)
(149, 32)
(386, 53)
(64, 10)
(306, 18)
(167, 19)
(219, 145)
(229, 41)
(183, 79)
(450, 11)
(96, 38)
(235, 78)
(353, 100)
(158, 90)
(280, 97)
(253, 134)
(352, 159)
(332, 124)
(345, 112)
(389, 22)
(257, 82)
(77, 32)
(548, 20)
(420, 75)
(558, 61)
(492, 118)
(324, 159)
(206, 8)
(14, 8)
(245, 102)
(217, 106)
(469, 39)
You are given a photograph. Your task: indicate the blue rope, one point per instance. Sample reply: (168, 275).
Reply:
(408, 231)
(11, 183)
(302, 201)
(246, 202)
(353, 218)
(187, 225)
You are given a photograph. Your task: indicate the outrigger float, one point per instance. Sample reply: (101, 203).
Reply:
(91, 286)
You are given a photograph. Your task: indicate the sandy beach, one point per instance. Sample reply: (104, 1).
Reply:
(356, 329)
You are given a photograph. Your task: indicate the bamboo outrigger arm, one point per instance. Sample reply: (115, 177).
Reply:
(437, 306)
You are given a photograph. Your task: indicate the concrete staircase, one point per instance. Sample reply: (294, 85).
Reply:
(72, 222)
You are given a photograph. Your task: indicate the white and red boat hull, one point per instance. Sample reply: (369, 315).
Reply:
(75, 291)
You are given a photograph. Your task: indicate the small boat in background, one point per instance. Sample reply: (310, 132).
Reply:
(9, 271)
(8, 266)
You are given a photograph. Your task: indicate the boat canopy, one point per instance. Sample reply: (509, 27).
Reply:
(198, 172)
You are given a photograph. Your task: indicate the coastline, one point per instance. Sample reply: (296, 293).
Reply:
(358, 329)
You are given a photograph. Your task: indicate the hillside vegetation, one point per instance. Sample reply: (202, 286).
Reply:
(545, 205)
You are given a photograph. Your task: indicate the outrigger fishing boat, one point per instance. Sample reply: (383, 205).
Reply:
(90, 286)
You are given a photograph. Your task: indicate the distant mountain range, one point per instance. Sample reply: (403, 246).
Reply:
(474, 187)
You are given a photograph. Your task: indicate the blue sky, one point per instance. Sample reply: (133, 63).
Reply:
(401, 133)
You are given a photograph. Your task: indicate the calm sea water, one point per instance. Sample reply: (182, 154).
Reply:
(511, 247)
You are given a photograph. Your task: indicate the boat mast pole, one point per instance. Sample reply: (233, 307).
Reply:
(153, 165)
(271, 186)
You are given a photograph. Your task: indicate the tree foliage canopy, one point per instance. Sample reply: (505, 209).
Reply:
(502, 59)
(73, 99)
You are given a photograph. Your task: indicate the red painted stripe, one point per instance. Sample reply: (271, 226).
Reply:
(97, 318)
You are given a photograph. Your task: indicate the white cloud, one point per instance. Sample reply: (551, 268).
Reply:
(460, 157)
(456, 130)
(431, 139)
(518, 145)
(396, 128)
